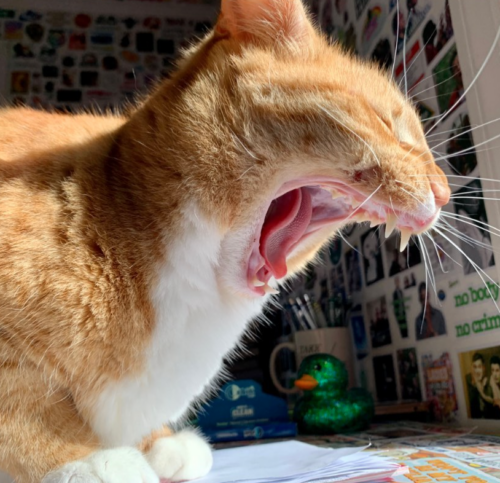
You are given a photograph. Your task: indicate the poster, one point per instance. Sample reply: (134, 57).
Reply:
(480, 370)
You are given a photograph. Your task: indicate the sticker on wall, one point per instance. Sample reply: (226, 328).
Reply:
(22, 51)
(480, 371)
(409, 379)
(385, 378)
(48, 55)
(372, 256)
(360, 5)
(30, 16)
(35, 32)
(430, 322)
(378, 321)
(382, 53)
(400, 307)
(353, 268)
(13, 30)
(440, 387)
(374, 21)
(419, 10)
(437, 32)
(7, 13)
(472, 222)
(83, 21)
(56, 38)
(20, 82)
(448, 80)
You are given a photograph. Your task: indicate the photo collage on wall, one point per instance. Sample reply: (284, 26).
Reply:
(411, 316)
(68, 60)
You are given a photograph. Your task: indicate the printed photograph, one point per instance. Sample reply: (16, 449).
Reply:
(430, 321)
(409, 379)
(440, 386)
(385, 378)
(400, 261)
(399, 307)
(353, 268)
(449, 83)
(460, 148)
(372, 256)
(475, 241)
(380, 330)
(480, 371)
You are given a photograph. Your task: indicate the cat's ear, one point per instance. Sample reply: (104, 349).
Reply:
(264, 21)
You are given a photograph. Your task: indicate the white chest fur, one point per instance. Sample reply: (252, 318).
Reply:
(196, 326)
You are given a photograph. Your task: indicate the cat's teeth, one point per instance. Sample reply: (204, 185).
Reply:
(390, 224)
(405, 239)
(257, 283)
(270, 290)
(355, 203)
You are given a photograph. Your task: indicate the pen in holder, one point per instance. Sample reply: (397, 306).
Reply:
(335, 341)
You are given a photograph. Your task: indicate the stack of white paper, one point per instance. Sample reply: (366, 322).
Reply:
(295, 462)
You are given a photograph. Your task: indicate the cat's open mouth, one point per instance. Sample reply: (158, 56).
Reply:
(301, 210)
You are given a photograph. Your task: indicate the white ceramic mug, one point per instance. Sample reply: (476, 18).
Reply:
(332, 340)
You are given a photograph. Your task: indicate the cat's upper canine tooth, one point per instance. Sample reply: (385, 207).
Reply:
(270, 290)
(390, 224)
(405, 238)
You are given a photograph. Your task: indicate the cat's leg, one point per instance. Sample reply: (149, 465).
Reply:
(43, 437)
(176, 457)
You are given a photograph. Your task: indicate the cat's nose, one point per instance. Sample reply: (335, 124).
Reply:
(441, 192)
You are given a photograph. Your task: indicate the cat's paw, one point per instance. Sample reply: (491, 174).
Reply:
(183, 456)
(119, 465)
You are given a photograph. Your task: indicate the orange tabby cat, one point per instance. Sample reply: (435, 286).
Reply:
(135, 250)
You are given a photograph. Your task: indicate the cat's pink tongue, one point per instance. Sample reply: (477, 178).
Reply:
(286, 222)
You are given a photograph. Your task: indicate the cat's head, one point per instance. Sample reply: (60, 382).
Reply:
(291, 138)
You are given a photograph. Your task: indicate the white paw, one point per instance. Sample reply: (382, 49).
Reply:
(119, 465)
(183, 456)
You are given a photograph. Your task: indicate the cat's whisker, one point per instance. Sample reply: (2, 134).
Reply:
(468, 239)
(433, 86)
(478, 269)
(426, 285)
(415, 198)
(397, 40)
(329, 114)
(473, 82)
(404, 53)
(432, 276)
(471, 150)
(439, 247)
(435, 245)
(468, 221)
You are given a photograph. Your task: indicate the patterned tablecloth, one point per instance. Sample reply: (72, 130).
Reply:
(433, 453)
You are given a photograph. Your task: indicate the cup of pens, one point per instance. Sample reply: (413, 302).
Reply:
(316, 333)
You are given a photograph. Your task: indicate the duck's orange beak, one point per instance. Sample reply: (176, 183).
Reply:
(306, 382)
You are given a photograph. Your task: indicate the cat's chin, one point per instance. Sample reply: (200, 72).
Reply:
(302, 210)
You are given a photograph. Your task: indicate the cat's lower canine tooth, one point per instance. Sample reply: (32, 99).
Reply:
(405, 239)
(270, 290)
(390, 225)
(257, 283)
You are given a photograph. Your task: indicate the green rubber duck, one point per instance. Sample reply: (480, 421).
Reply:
(327, 406)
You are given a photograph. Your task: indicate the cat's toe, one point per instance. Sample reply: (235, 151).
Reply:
(119, 465)
(183, 456)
